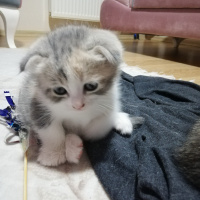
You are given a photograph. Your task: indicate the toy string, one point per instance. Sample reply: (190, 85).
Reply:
(25, 177)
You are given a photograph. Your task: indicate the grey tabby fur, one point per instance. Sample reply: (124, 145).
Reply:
(188, 156)
(84, 65)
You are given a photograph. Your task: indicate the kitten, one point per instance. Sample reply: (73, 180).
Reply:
(188, 156)
(71, 91)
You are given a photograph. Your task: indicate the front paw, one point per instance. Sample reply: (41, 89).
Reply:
(49, 157)
(73, 148)
(125, 125)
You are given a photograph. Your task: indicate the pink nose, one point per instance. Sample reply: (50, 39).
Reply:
(78, 106)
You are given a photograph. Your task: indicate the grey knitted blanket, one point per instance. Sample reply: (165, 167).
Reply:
(142, 166)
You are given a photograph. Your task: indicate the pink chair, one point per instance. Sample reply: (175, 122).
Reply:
(175, 18)
(9, 9)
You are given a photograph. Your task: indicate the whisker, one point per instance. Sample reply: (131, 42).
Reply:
(104, 108)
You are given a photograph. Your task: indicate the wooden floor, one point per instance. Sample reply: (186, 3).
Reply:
(160, 56)
(155, 55)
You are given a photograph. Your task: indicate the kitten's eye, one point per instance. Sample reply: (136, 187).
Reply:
(60, 91)
(90, 86)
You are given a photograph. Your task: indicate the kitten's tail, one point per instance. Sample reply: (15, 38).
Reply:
(188, 156)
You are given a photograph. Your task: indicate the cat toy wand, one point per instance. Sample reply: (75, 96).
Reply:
(9, 118)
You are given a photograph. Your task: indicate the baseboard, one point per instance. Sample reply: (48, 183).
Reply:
(58, 22)
(125, 37)
(22, 33)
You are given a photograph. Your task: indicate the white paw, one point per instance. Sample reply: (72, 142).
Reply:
(49, 157)
(123, 124)
(73, 148)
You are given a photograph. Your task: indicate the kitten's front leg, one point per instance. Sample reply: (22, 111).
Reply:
(52, 151)
(124, 124)
(73, 148)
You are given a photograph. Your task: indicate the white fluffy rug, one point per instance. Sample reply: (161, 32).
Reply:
(66, 182)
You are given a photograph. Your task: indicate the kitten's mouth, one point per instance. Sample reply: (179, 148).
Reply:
(78, 110)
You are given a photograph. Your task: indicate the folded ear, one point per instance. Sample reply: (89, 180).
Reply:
(114, 57)
(31, 61)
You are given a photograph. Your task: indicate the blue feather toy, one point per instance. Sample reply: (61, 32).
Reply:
(8, 115)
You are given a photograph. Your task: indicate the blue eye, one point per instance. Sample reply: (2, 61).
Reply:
(60, 91)
(90, 86)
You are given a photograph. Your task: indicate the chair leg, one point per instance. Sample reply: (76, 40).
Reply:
(176, 41)
(148, 36)
(11, 18)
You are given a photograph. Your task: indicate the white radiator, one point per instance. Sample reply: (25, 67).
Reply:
(88, 10)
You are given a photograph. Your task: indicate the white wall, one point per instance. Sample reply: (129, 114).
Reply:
(34, 16)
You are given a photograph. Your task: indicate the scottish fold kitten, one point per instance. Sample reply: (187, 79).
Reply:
(188, 156)
(71, 91)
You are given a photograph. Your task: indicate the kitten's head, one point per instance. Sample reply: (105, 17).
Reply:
(75, 66)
